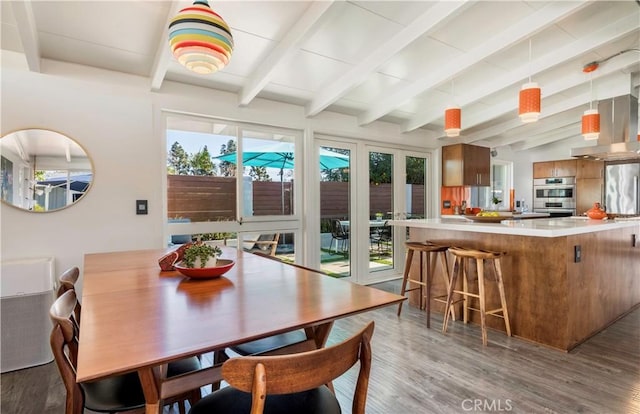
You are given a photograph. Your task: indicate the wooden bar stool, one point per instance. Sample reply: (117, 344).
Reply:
(426, 250)
(481, 257)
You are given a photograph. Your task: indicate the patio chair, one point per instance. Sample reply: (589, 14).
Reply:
(381, 237)
(265, 244)
(339, 234)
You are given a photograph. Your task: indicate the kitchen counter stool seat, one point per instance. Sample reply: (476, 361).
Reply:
(460, 267)
(429, 253)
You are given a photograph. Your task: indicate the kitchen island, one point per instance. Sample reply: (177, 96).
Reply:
(565, 278)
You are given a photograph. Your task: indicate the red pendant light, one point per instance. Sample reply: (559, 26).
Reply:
(452, 121)
(591, 124)
(591, 118)
(529, 99)
(529, 102)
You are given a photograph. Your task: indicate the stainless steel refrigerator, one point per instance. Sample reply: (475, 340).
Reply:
(622, 188)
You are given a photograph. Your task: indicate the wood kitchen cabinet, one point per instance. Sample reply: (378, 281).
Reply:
(464, 164)
(590, 169)
(560, 168)
(589, 185)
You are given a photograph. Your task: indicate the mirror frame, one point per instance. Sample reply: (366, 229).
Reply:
(55, 151)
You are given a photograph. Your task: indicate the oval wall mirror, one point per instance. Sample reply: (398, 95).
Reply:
(43, 170)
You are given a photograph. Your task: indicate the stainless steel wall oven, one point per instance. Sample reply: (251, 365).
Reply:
(556, 196)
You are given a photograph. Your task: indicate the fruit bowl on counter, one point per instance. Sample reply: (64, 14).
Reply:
(490, 216)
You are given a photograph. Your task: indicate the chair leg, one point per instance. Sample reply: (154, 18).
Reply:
(483, 311)
(446, 275)
(465, 289)
(503, 298)
(431, 268)
(405, 277)
(454, 278)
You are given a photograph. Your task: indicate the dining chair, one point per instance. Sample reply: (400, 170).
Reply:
(67, 282)
(296, 383)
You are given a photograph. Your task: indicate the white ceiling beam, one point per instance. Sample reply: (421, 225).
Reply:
(618, 84)
(26, 22)
(614, 86)
(524, 29)
(287, 47)
(607, 34)
(559, 134)
(428, 21)
(163, 51)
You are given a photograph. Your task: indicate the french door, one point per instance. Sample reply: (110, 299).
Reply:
(355, 239)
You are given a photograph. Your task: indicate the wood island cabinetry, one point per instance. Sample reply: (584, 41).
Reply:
(553, 297)
(560, 168)
(464, 164)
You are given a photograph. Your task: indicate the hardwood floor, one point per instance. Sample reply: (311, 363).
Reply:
(416, 370)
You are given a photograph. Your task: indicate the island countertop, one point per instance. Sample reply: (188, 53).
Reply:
(551, 227)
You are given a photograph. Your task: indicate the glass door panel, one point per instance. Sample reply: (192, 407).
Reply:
(381, 207)
(416, 196)
(268, 171)
(335, 211)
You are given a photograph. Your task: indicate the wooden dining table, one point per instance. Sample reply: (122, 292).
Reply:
(136, 317)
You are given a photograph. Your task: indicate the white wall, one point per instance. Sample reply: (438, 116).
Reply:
(118, 121)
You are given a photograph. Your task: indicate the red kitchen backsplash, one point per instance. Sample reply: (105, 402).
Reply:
(455, 195)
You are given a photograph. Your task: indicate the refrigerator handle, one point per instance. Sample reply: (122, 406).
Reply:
(637, 191)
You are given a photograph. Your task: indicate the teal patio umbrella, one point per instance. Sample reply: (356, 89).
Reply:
(281, 155)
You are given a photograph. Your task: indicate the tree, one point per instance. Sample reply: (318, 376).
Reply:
(178, 162)
(228, 169)
(380, 167)
(336, 174)
(201, 163)
(259, 174)
(415, 170)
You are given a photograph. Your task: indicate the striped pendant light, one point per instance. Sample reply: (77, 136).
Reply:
(200, 39)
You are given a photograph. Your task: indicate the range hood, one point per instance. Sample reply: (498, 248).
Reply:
(618, 131)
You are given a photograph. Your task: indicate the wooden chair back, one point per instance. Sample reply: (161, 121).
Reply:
(285, 374)
(67, 281)
(64, 346)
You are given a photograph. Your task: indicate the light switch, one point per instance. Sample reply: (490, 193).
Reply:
(141, 207)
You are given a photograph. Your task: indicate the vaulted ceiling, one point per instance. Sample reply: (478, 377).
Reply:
(402, 62)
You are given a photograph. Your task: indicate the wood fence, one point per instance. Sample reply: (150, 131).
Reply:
(207, 198)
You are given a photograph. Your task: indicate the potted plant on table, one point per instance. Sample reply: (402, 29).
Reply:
(201, 255)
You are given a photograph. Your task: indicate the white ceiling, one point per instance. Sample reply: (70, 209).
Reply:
(393, 61)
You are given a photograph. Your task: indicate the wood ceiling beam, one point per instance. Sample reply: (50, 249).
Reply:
(545, 17)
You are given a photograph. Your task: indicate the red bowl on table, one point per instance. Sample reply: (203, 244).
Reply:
(222, 267)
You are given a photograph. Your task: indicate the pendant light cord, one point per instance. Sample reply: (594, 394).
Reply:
(529, 60)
